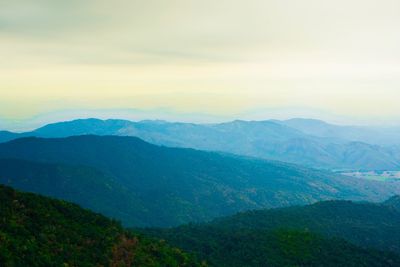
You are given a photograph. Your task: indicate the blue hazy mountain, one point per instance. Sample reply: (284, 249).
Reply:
(311, 143)
(161, 186)
(6, 136)
(372, 135)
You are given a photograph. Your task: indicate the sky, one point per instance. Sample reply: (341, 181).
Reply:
(199, 60)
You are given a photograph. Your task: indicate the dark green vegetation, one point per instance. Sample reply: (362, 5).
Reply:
(364, 224)
(332, 233)
(85, 186)
(38, 231)
(393, 202)
(277, 248)
(159, 186)
(308, 142)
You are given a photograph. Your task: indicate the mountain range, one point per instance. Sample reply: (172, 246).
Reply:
(143, 184)
(311, 143)
(230, 204)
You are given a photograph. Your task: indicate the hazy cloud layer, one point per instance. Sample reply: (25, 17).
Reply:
(219, 57)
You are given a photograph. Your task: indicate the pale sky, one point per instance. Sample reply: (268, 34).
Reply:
(223, 58)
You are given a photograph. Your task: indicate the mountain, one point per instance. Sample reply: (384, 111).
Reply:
(82, 127)
(201, 136)
(393, 202)
(308, 142)
(39, 231)
(83, 185)
(277, 248)
(364, 224)
(368, 157)
(333, 233)
(159, 186)
(386, 136)
(6, 136)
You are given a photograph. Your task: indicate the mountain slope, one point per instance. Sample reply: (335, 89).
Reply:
(82, 185)
(393, 202)
(6, 136)
(371, 135)
(174, 186)
(277, 248)
(365, 224)
(39, 231)
(309, 142)
(81, 127)
(296, 236)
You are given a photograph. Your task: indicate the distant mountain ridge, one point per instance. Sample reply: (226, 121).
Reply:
(366, 134)
(160, 186)
(311, 143)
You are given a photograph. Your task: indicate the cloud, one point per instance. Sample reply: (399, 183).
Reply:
(341, 56)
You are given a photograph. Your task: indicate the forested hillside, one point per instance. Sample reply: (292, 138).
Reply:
(364, 224)
(333, 233)
(39, 231)
(82, 185)
(277, 248)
